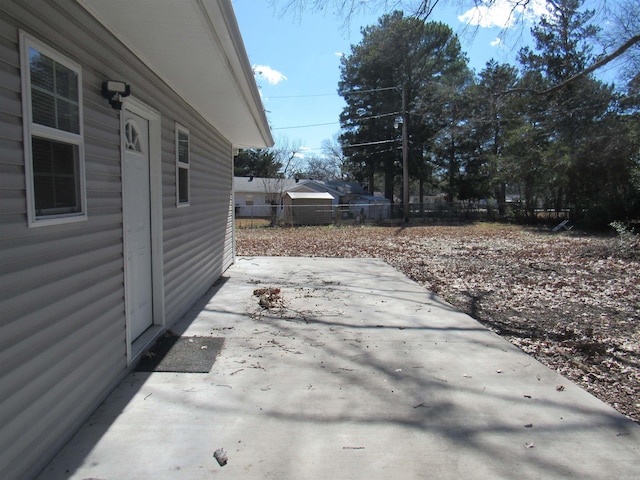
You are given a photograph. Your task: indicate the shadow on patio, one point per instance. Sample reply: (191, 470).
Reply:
(358, 373)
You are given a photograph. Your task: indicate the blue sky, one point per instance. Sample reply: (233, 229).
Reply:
(297, 61)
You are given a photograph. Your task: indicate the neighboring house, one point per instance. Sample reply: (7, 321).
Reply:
(354, 201)
(266, 197)
(259, 196)
(370, 207)
(113, 222)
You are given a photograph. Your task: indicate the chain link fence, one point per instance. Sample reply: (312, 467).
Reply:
(255, 216)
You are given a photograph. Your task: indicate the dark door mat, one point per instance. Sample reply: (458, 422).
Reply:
(173, 353)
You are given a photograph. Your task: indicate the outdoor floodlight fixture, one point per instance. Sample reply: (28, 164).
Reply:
(114, 91)
(397, 123)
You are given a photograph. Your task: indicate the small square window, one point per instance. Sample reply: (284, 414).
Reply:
(54, 144)
(183, 147)
(54, 93)
(183, 152)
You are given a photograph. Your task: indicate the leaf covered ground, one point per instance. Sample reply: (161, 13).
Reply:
(570, 300)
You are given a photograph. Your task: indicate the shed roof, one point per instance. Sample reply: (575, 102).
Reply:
(314, 185)
(310, 195)
(195, 46)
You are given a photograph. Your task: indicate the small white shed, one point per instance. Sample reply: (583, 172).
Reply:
(308, 208)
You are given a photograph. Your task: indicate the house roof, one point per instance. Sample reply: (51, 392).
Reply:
(310, 195)
(338, 187)
(313, 186)
(262, 184)
(195, 46)
(370, 199)
(345, 188)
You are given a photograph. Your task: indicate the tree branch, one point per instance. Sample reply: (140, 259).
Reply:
(603, 61)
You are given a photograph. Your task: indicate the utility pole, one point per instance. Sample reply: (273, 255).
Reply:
(405, 157)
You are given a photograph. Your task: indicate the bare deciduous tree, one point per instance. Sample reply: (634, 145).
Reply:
(287, 154)
(332, 149)
(625, 23)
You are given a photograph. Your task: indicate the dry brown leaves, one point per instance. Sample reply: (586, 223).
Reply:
(269, 297)
(568, 299)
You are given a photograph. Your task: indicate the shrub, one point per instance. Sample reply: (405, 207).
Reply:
(628, 240)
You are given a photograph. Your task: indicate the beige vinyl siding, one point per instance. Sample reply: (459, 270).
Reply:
(62, 315)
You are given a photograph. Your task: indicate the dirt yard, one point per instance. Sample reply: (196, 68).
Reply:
(570, 300)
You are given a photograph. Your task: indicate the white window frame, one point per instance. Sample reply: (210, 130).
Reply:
(32, 130)
(183, 165)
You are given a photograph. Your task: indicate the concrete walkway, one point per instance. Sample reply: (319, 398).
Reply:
(364, 375)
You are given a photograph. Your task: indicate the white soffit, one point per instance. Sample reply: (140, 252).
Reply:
(195, 46)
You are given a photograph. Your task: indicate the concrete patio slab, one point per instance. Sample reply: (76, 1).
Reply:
(355, 372)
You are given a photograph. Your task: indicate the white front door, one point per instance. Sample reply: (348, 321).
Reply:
(137, 223)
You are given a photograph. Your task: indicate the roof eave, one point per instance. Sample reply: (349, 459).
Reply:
(211, 49)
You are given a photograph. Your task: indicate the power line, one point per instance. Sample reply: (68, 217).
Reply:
(371, 117)
(305, 126)
(333, 123)
(369, 143)
(302, 96)
(352, 92)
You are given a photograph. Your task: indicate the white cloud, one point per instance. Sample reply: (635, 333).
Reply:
(269, 74)
(497, 41)
(497, 13)
(503, 13)
(302, 152)
(536, 9)
(339, 54)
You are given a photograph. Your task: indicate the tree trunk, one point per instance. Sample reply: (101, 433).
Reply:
(388, 185)
(501, 197)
